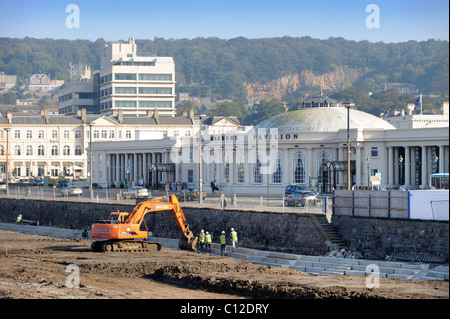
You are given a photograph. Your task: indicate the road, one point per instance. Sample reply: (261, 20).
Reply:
(255, 202)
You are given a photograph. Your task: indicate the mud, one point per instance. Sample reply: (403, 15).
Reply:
(36, 267)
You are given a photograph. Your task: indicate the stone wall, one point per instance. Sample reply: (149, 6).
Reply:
(375, 237)
(380, 237)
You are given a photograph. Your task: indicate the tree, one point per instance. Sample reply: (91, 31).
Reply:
(264, 110)
(230, 109)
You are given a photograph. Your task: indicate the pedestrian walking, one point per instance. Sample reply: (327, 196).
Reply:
(223, 244)
(234, 238)
(201, 240)
(208, 241)
(223, 201)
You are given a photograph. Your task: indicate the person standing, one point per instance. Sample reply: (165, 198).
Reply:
(223, 201)
(201, 240)
(208, 240)
(223, 244)
(19, 219)
(234, 238)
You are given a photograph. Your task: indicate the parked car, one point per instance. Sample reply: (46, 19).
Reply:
(296, 188)
(71, 191)
(300, 199)
(135, 192)
(24, 181)
(3, 187)
(190, 193)
(62, 183)
(38, 181)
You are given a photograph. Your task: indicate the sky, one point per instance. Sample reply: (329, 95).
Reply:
(112, 20)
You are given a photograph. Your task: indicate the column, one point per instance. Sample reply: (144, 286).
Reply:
(442, 158)
(391, 166)
(407, 166)
(424, 167)
(358, 166)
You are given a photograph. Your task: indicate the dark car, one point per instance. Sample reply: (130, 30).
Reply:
(296, 188)
(300, 199)
(38, 181)
(62, 183)
(190, 193)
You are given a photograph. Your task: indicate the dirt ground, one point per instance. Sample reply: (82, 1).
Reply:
(39, 267)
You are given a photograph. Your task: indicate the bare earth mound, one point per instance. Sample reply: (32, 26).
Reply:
(38, 267)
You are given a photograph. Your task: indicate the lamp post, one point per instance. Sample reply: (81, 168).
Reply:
(90, 161)
(348, 148)
(200, 175)
(400, 160)
(7, 129)
(368, 171)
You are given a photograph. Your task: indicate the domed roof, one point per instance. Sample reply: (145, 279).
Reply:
(323, 119)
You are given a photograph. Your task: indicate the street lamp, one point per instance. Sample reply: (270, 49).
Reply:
(7, 129)
(400, 160)
(368, 171)
(200, 179)
(348, 148)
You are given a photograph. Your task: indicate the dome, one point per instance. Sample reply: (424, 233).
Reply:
(323, 119)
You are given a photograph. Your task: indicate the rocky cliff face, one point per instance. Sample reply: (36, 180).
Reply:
(339, 79)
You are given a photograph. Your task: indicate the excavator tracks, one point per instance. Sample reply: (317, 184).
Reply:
(106, 246)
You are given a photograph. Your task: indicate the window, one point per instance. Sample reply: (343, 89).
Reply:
(374, 152)
(29, 150)
(155, 104)
(125, 90)
(299, 168)
(119, 104)
(187, 133)
(41, 134)
(257, 176)
(54, 134)
(54, 150)
(277, 175)
(29, 134)
(17, 150)
(78, 150)
(240, 172)
(322, 158)
(155, 77)
(16, 134)
(104, 134)
(41, 150)
(66, 150)
(66, 134)
(2, 150)
(176, 133)
(128, 134)
(111, 134)
(226, 172)
(77, 134)
(96, 134)
(190, 175)
(155, 90)
(125, 77)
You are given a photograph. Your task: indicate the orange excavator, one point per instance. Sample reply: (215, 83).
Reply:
(128, 231)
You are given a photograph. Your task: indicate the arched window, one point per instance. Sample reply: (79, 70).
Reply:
(29, 150)
(41, 150)
(276, 167)
(257, 176)
(321, 159)
(78, 150)
(66, 150)
(299, 168)
(54, 150)
(17, 150)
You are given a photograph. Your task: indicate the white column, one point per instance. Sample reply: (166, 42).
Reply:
(424, 167)
(441, 158)
(407, 166)
(358, 166)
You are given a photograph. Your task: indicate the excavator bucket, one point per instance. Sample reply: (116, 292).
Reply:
(188, 243)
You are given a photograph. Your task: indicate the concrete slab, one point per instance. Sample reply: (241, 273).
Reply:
(355, 272)
(404, 271)
(314, 270)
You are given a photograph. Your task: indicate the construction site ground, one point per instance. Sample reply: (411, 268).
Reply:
(41, 267)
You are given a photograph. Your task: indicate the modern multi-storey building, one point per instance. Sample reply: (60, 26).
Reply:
(135, 84)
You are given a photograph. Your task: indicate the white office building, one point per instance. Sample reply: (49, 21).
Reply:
(135, 84)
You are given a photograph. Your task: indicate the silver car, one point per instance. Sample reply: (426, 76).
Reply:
(135, 192)
(71, 191)
(300, 199)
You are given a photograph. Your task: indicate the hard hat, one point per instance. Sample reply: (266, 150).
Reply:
(232, 229)
(223, 232)
(207, 233)
(202, 231)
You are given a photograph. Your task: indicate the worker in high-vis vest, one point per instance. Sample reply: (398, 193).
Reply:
(223, 244)
(19, 218)
(234, 238)
(208, 240)
(201, 240)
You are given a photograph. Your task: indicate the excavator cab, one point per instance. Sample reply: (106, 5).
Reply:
(118, 217)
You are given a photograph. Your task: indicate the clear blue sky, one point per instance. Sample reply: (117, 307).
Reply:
(400, 20)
